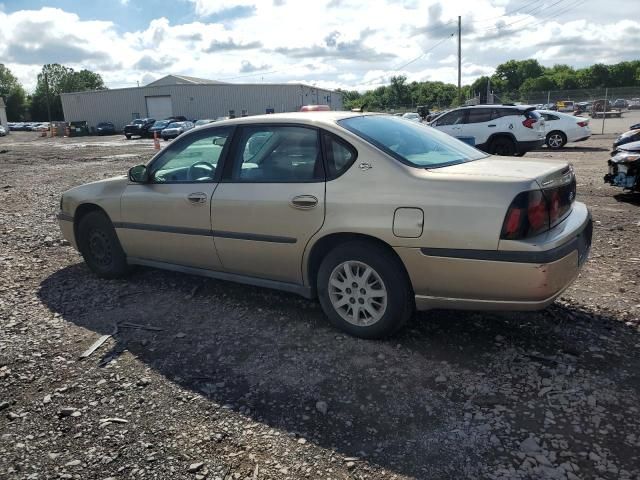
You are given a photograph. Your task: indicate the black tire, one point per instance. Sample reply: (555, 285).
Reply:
(100, 247)
(503, 146)
(128, 136)
(400, 302)
(556, 140)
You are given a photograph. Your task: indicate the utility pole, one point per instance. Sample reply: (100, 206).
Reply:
(459, 54)
(46, 89)
(489, 101)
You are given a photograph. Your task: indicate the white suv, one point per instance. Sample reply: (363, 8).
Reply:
(496, 129)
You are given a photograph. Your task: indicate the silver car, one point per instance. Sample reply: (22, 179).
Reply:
(175, 128)
(373, 215)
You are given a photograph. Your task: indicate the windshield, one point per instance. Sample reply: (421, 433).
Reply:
(138, 122)
(175, 125)
(160, 124)
(411, 143)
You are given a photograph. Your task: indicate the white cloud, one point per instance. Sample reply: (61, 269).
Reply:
(341, 43)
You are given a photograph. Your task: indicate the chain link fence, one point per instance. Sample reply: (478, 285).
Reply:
(616, 109)
(611, 110)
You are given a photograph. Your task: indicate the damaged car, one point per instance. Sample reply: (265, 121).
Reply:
(624, 167)
(632, 135)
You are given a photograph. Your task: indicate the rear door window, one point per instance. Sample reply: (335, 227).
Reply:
(452, 118)
(478, 115)
(278, 154)
(339, 155)
(502, 112)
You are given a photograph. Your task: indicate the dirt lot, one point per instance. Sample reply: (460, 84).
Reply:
(206, 379)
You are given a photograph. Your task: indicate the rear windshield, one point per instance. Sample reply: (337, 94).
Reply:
(411, 143)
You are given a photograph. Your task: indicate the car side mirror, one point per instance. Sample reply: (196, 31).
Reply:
(139, 174)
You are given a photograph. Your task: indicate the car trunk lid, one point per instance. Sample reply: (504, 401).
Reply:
(544, 172)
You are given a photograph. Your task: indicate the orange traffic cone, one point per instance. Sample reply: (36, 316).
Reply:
(156, 142)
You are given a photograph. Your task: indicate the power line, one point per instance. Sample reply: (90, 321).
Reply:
(533, 4)
(404, 65)
(522, 19)
(531, 8)
(562, 11)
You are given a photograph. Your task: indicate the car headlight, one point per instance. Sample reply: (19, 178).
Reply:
(626, 157)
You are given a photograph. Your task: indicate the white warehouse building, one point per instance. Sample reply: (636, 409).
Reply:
(194, 98)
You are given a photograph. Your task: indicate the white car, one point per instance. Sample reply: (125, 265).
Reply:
(561, 128)
(3, 131)
(496, 129)
(413, 116)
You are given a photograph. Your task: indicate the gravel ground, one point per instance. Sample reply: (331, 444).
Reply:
(206, 379)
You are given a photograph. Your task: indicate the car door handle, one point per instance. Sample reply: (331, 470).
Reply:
(491, 125)
(197, 197)
(304, 202)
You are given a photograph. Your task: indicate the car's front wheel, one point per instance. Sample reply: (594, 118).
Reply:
(364, 290)
(100, 247)
(556, 140)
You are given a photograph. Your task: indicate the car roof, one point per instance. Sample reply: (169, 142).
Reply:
(309, 118)
(553, 112)
(497, 105)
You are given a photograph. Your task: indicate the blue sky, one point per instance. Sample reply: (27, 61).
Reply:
(126, 16)
(330, 43)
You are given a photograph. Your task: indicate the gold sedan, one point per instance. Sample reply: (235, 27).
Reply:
(372, 214)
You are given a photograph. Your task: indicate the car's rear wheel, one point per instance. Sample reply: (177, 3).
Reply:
(503, 146)
(364, 290)
(556, 140)
(100, 247)
(128, 137)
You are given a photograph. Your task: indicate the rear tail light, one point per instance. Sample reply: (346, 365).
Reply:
(583, 124)
(529, 122)
(537, 211)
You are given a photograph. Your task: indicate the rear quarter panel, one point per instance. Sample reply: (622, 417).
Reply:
(459, 211)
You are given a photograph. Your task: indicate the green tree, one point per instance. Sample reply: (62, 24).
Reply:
(350, 98)
(514, 72)
(55, 79)
(398, 93)
(13, 94)
(537, 84)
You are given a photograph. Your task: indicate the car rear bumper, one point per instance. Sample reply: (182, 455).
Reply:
(499, 279)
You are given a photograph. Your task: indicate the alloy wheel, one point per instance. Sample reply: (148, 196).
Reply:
(357, 293)
(555, 140)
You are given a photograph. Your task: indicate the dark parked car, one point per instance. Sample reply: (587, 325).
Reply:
(158, 127)
(138, 128)
(627, 137)
(105, 128)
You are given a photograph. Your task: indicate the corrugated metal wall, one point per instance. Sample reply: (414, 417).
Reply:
(120, 106)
